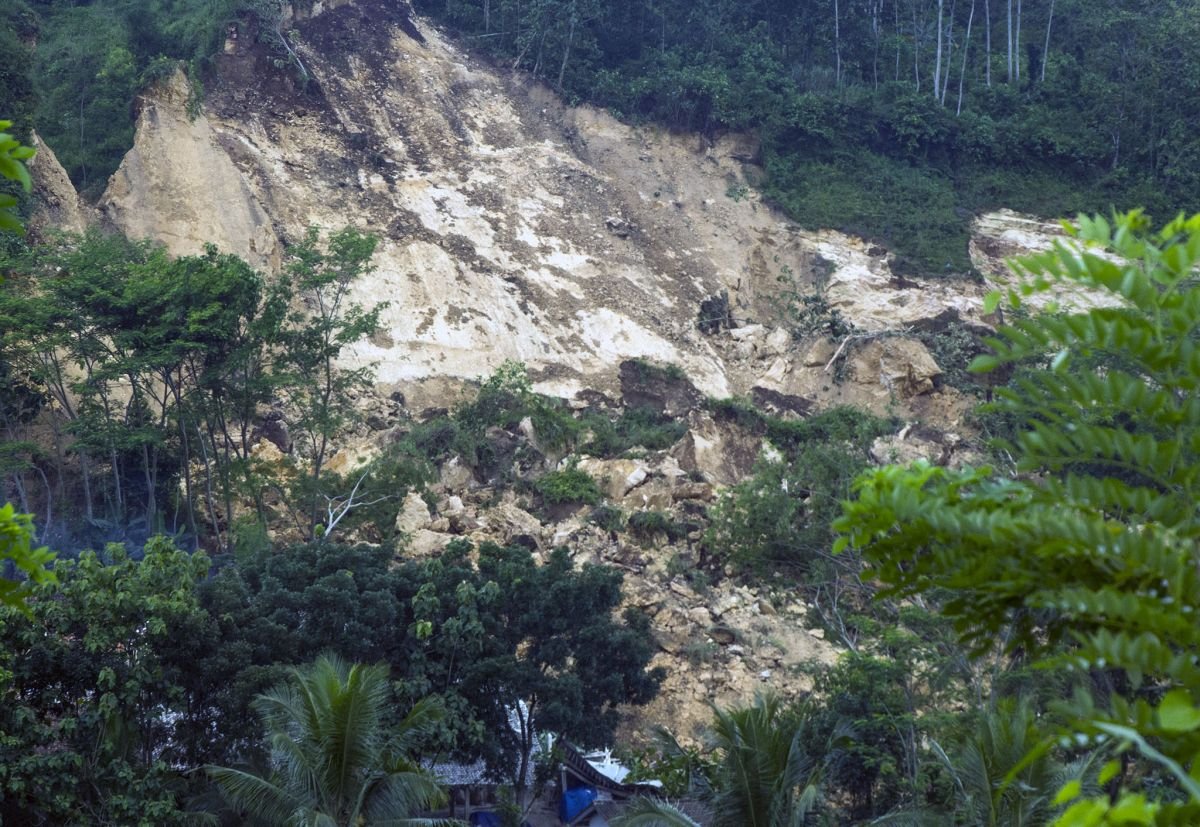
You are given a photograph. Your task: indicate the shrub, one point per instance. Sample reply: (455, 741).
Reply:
(505, 399)
(781, 515)
(647, 524)
(569, 485)
(636, 427)
(608, 517)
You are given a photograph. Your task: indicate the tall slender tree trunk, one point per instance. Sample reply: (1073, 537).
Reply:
(987, 35)
(949, 52)
(118, 492)
(186, 456)
(49, 503)
(916, 52)
(209, 495)
(966, 48)
(837, 44)
(18, 485)
(876, 34)
(896, 15)
(1017, 44)
(1009, 38)
(1046, 48)
(85, 473)
(562, 69)
(937, 66)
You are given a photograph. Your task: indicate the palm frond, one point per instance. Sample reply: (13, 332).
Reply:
(398, 795)
(329, 752)
(254, 794)
(653, 812)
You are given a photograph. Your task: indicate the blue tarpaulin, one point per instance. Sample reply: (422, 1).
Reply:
(485, 820)
(575, 802)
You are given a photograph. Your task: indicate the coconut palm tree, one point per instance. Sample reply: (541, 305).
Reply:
(1003, 775)
(763, 777)
(1002, 779)
(333, 763)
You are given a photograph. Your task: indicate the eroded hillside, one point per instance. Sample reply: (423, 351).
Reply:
(515, 227)
(512, 227)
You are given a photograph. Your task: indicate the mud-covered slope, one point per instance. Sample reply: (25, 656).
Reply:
(511, 226)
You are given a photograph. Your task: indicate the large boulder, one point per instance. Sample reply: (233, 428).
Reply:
(413, 516)
(900, 365)
(508, 524)
(721, 453)
(665, 390)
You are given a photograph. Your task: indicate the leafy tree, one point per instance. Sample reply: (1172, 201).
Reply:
(333, 761)
(12, 156)
(86, 77)
(318, 388)
(534, 644)
(149, 367)
(95, 710)
(1094, 548)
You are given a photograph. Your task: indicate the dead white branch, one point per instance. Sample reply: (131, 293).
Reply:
(336, 508)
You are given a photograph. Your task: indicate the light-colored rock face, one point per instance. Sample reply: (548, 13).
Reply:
(178, 186)
(57, 205)
(723, 646)
(511, 227)
(1002, 236)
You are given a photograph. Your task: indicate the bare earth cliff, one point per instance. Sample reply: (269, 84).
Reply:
(512, 226)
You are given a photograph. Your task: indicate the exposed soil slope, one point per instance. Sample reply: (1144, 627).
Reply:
(512, 226)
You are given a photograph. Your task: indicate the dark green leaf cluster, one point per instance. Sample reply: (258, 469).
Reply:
(634, 428)
(1097, 551)
(96, 681)
(647, 525)
(781, 516)
(570, 485)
